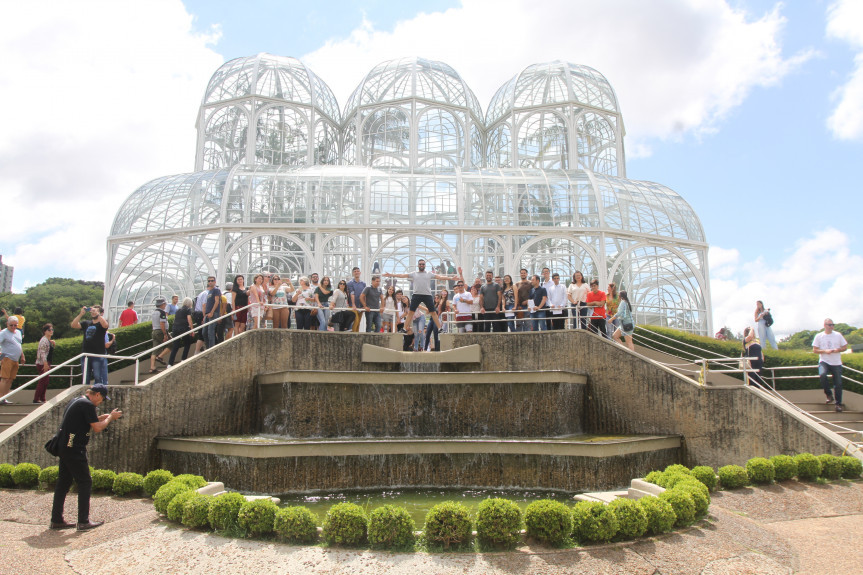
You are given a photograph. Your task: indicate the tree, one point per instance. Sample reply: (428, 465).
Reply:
(56, 300)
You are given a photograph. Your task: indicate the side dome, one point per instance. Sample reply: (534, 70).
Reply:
(413, 112)
(531, 120)
(276, 102)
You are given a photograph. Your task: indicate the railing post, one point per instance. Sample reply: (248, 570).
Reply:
(137, 369)
(702, 377)
(85, 370)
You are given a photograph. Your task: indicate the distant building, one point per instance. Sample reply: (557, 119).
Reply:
(5, 277)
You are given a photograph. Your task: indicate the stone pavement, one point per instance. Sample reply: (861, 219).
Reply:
(787, 528)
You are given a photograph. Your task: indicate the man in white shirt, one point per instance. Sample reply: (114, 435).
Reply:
(462, 300)
(556, 302)
(829, 345)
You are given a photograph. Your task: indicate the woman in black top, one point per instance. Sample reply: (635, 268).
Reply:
(752, 351)
(241, 299)
(182, 324)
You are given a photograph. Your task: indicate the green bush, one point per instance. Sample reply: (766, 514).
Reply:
(129, 484)
(447, 525)
(6, 470)
(48, 476)
(677, 468)
(498, 523)
(175, 507)
(760, 470)
(166, 493)
(193, 481)
(699, 497)
(669, 480)
(258, 517)
(391, 527)
(345, 524)
(26, 474)
(631, 518)
(548, 520)
(683, 505)
(654, 477)
(593, 521)
(784, 466)
(705, 475)
(196, 510)
(223, 510)
(103, 479)
(831, 466)
(808, 467)
(852, 467)
(732, 477)
(296, 524)
(660, 514)
(155, 479)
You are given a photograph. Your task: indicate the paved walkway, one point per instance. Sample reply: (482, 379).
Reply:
(788, 528)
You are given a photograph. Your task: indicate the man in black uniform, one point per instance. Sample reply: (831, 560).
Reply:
(79, 421)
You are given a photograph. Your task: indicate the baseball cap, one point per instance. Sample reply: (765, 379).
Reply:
(159, 301)
(100, 388)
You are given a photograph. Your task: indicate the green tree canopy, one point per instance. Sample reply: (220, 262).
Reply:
(803, 339)
(56, 300)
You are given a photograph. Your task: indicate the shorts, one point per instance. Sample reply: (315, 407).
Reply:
(8, 368)
(417, 299)
(158, 338)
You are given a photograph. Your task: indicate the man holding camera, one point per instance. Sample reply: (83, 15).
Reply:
(94, 342)
(79, 421)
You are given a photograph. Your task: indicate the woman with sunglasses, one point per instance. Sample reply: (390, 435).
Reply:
(342, 319)
(323, 293)
(279, 294)
(509, 301)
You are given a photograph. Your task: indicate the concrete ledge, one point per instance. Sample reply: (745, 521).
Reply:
(274, 448)
(212, 488)
(421, 378)
(649, 488)
(466, 354)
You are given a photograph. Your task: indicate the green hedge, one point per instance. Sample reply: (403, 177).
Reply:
(772, 357)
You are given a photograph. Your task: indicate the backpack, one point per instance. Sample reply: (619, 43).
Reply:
(768, 319)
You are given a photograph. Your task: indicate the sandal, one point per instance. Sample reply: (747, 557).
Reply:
(153, 371)
(160, 360)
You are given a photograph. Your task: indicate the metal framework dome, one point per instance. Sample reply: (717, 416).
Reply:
(409, 187)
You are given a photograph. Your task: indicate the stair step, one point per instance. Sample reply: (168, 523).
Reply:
(650, 488)
(602, 496)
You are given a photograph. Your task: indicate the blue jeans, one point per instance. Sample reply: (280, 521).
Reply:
(210, 332)
(97, 369)
(538, 323)
(373, 321)
(836, 370)
(324, 317)
(419, 329)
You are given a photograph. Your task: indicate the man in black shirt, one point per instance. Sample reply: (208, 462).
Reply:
(79, 421)
(94, 342)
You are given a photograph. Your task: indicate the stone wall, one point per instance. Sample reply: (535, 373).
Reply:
(628, 395)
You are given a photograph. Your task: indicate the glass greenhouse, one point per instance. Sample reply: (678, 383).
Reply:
(287, 183)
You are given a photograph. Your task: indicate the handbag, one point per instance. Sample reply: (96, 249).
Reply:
(54, 444)
(768, 318)
(627, 326)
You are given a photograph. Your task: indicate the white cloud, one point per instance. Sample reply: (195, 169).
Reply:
(821, 277)
(845, 23)
(100, 97)
(678, 67)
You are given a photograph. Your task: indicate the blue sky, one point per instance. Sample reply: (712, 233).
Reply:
(751, 110)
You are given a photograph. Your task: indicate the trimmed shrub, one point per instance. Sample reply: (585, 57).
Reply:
(345, 524)
(808, 467)
(155, 479)
(699, 498)
(195, 511)
(784, 467)
(258, 517)
(683, 505)
(26, 474)
(705, 475)
(660, 514)
(548, 520)
(103, 479)
(654, 477)
(296, 524)
(175, 507)
(193, 481)
(732, 477)
(166, 493)
(448, 525)
(48, 476)
(631, 518)
(669, 480)
(129, 484)
(391, 527)
(852, 467)
(593, 521)
(6, 470)
(831, 466)
(498, 523)
(223, 510)
(677, 468)
(760, 470)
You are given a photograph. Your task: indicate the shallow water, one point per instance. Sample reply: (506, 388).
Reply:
(416, 501)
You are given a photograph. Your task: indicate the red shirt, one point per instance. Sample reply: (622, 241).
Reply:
(128, 317)
(598, 311)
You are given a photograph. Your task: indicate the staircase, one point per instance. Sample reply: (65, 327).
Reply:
(848, 423)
